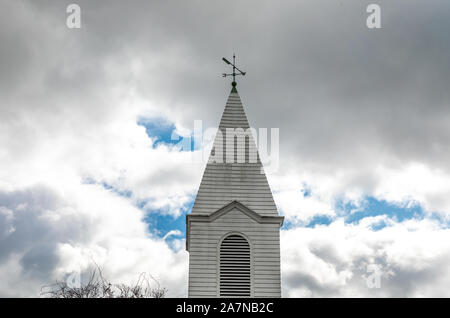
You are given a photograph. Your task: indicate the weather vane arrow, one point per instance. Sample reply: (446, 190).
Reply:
(234, 70)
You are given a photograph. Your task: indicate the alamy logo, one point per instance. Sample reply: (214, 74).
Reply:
(374, 279)
(233, 145)
(374, 19)
(74, 280)
(74, 18)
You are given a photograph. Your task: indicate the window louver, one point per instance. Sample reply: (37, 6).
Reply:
(235, 267)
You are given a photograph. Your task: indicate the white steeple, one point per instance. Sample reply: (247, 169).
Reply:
(233, 232)
(225, 182)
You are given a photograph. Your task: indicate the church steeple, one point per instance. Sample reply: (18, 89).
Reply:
(225, 182)
(233, 232)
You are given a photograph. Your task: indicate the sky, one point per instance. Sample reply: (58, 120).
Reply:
(90, 173)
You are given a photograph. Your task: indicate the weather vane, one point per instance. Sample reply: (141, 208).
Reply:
(234, 70)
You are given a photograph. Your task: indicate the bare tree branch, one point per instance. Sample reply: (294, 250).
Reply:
(98, 286)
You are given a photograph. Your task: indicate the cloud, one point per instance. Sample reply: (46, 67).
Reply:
(361, 113)
(68, 130)
(411, 259)
(47, 235)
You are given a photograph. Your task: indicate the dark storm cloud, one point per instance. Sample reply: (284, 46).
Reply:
(314, 69)
(31, 226)
(341, 94)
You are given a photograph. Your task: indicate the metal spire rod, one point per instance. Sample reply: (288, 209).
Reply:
(234, 70)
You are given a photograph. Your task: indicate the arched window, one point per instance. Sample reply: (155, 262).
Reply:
(235, 266)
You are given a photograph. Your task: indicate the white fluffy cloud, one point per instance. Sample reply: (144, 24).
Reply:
(301, 195)
(57, 217)
(47, 234)
(61, 138)
(411, 259)
(416, 182)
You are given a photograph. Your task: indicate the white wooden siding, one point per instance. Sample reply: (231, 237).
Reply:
(223, 183)
(226, 182)
(203, 254)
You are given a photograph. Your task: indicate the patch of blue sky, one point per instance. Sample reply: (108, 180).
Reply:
(162, 131)
(160, 223)
(372, 207)
(353, 213)
(123, 193)
(317, 220)
(306, 190)
(442, 219)
(397, 212)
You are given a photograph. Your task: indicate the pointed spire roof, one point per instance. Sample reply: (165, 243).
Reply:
(224, 182)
